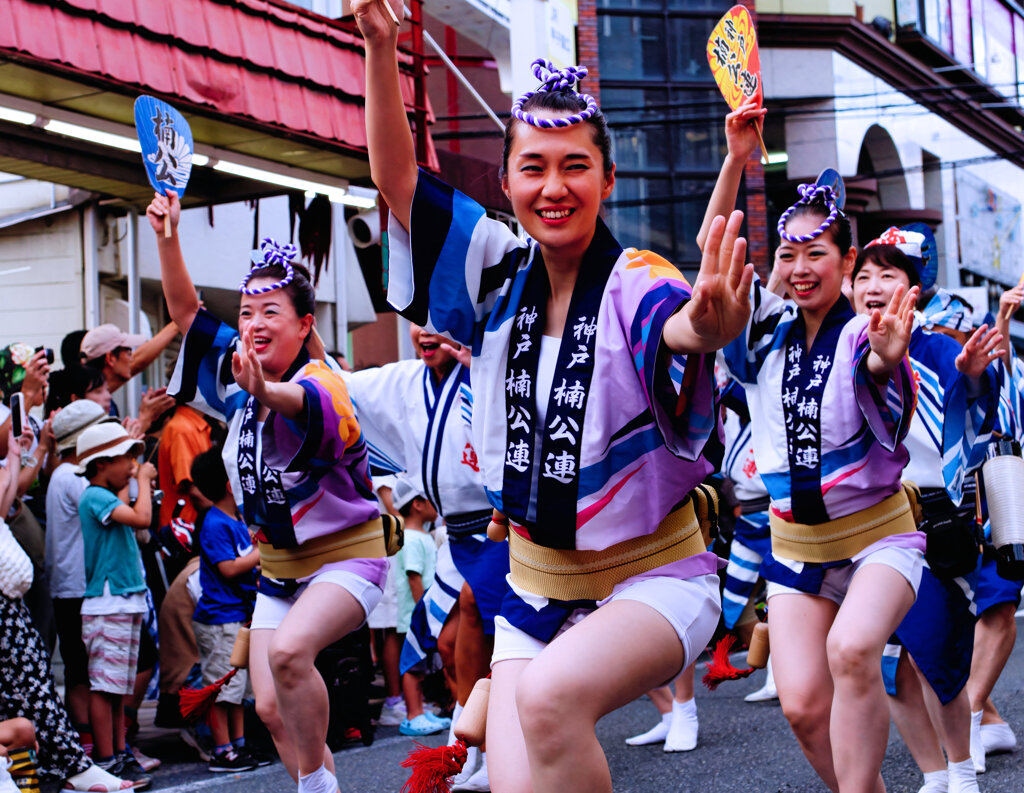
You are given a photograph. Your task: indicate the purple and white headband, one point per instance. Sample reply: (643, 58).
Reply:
(552, 79)
(808, 194)
(270, 252)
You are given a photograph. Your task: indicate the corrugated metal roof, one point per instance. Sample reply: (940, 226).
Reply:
(250, 59)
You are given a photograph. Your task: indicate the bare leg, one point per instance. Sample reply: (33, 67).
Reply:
(684, 684)
(446, 649)
(952, 720)
(877, 600)
(508, 763)
(472, 646)
(101, 716)
(912, 720)
(389, 659)
(630, 648)
(323, 614)
(412, 691)
(799, 625)
(994, 637)
(266, 702)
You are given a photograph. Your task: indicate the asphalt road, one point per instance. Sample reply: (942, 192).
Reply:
(743, 748)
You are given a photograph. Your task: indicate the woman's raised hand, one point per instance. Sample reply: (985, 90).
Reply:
(374, 21)
(721, 295)
(162, 206)
(246, 367)
(740, 133)
(889, 333)
(980, 350)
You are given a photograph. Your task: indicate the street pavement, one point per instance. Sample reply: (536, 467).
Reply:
(743, 748)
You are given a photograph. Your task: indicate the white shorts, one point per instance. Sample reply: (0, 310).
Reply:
(908, 562)
(691, 605)
(269, 612)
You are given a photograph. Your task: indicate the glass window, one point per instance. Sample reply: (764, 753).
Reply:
(689, 204)
(961, 16)
(637, 121)
(698, 130)
(688, 49)
(1018, 44)
(639, 213)
(642, 4)
(631, 47)
(1002, 66)
(700, 5)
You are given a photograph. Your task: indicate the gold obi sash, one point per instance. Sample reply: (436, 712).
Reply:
(844, 538)
(374, 539)
(591, 575)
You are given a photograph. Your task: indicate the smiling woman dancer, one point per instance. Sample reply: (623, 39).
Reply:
(831, 395)
(589, 432)
(299, 471)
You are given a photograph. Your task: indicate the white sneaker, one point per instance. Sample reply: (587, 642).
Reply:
(977, 746)
(767, 692)
(657, 734)
(472, 758)
(998, 738)
(479, 780)
(682, 734)
(392, 715)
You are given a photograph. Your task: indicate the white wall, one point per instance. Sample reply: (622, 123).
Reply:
(43, 304)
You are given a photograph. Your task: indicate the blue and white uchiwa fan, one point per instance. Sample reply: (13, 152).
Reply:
(831, 177)
(166, 142)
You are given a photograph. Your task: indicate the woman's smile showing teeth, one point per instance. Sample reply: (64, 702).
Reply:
(555, 215)
(804, 287)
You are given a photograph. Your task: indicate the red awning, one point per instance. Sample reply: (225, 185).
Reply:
(258, 60)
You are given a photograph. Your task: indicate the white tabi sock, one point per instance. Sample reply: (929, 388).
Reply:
(657, 733)
(456, 712)
(977, 745)
(962, 777)
(936, 782)
(472, 758)
(682, 734)
(320, 781)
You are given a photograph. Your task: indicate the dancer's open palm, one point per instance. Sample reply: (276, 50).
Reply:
(889, 332)
(246, 367)
(979, 351)
(721, 294)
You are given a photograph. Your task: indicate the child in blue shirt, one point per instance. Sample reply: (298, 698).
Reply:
(227, 576)
(115, 600)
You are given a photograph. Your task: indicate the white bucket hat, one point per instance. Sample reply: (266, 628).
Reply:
(103, 441)
(72, 420)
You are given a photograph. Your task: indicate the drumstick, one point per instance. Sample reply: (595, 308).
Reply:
(391, 13)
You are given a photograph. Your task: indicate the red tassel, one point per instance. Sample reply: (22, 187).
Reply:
(195, 703)
(720, 668)
(432, 769)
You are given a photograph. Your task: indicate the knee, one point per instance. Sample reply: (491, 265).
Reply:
(546, 705)
(850, 659)
(1001, 619)
(288, 661)
(807, 714)
(22, 732)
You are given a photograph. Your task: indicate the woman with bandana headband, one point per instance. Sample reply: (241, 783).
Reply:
(593, 383)
(948, 438)
(831, 395)
(298, 468)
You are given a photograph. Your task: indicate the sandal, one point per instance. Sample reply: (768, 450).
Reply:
(96, 780)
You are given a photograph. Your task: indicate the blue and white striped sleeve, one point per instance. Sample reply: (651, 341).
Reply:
(202, 375)
(445, 272)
